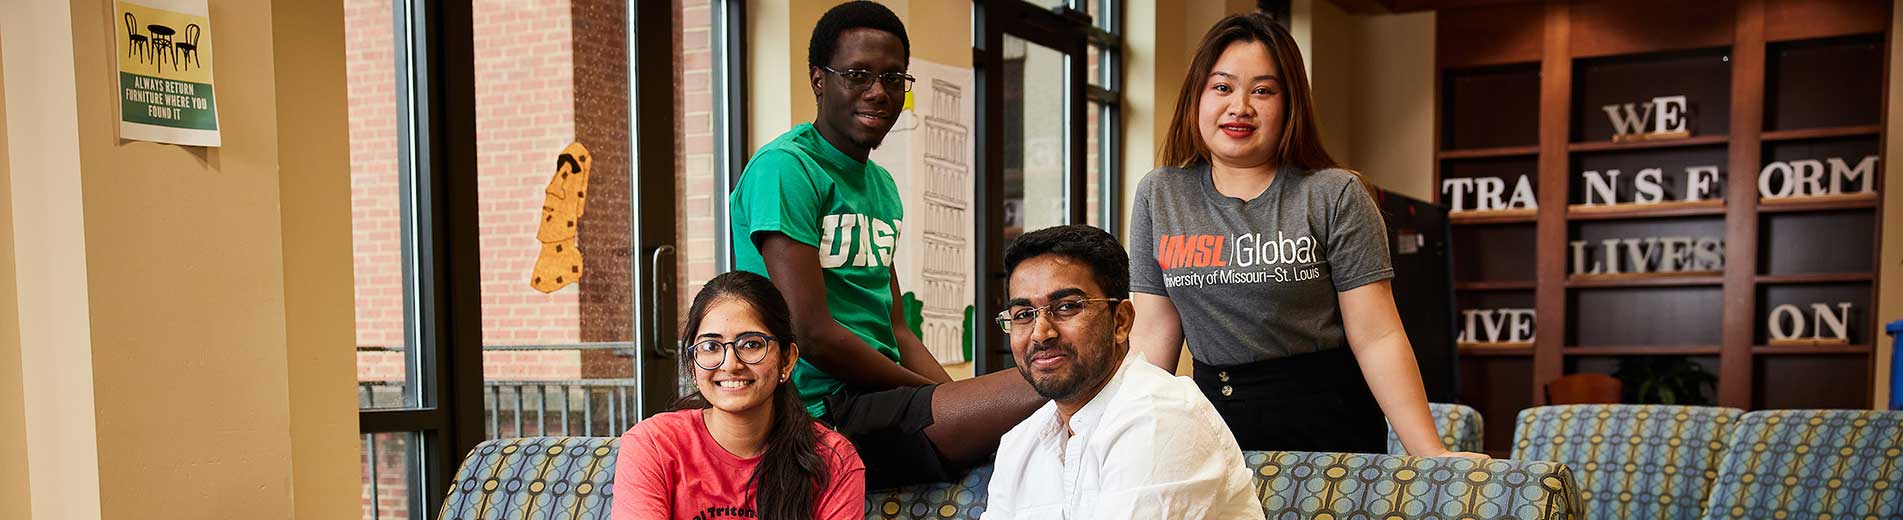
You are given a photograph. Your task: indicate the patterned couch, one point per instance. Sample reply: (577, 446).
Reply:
(549, 478)
(534, 478)
(1844, 464)
(1304, 485)
(1633, 461)
(1461, 428)
(1840, 464)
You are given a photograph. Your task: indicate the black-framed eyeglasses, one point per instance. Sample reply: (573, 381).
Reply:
(1057, 311)
(861, 79)
(750, 348)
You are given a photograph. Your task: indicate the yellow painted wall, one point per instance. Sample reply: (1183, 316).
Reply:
(313, 139)
(15, 494)
(198, 295)
(1890, 272)
(52, 320)
(1391, 124)
(779, 93)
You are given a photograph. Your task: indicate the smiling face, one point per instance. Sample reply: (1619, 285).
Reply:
(1066, 360)
(856, 120)
(1240, 114)
(737, 387)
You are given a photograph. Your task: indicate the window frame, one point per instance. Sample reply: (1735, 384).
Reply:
(1063, 29)
(436, 125)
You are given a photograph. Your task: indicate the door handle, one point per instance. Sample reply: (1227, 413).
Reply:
(661, 268)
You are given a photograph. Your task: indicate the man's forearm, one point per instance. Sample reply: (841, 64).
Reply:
(915, 357)
(846, 357)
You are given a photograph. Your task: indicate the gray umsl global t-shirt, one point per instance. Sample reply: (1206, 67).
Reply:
(1257, 279)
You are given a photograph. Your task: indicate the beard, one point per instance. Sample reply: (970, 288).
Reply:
(1084, 372)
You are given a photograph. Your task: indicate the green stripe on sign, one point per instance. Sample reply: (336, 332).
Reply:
(165, 102)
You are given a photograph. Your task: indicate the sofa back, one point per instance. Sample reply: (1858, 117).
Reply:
(1633, 461)
(1812, 464)
(1294, 484)
(1461, 428)
(535, 478)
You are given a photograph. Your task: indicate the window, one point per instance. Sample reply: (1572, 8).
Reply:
(1048, 132)
(1105, 146)
(470, 325)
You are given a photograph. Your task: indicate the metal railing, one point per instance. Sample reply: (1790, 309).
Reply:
(524, 408)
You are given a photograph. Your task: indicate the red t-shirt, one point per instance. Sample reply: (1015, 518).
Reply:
(670, 467)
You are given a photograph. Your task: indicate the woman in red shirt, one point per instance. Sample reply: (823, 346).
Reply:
(743, 446)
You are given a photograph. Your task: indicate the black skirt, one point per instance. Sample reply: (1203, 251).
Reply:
(1309, 402)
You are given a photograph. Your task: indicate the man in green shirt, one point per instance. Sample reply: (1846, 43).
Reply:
(822, 221)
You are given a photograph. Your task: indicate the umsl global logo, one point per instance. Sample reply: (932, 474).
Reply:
(1250, 249)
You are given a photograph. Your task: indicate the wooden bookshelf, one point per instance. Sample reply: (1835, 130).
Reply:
(1824, 133)
(1678, 279)
(1497, 216)
(1606, 146)
(1766, 279)
(1488, 153)
(1770, 80)
(1644, 350)
(1819, 202)
(1634, 210)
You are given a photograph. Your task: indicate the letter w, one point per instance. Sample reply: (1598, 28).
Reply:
(1632, 121)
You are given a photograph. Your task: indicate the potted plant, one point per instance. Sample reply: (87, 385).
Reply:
(1675, 380)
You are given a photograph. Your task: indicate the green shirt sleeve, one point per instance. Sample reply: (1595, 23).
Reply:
(777, 193)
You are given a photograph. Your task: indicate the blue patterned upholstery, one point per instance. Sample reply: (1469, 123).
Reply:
(1459, 426)
(535, 478)
(1302, 485)
(964, 498)
(1633, 461)
(1841, 464)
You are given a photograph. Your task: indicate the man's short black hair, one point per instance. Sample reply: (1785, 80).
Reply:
(848, 16)
(1109, 264)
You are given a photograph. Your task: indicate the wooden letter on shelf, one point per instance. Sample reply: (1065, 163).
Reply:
(1806, 177)
(1699, 182)
(1496, 326)
(1666, 115)
(1822, 318)
(1649, 255)
(1489, 194)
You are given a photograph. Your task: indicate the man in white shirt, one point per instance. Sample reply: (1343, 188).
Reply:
(1120, 438)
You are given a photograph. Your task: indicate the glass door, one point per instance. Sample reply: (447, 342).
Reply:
(1032, 162)
(518, 231)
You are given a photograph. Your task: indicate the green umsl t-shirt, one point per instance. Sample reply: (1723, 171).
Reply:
(800, 186)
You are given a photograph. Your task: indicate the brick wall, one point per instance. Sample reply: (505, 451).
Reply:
(694, 120)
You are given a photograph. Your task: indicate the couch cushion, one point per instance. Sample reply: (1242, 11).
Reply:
(1845, 464)
(1459, 425)
(964, 498)
(1304, 485)
(1633, 461)
(534, 478)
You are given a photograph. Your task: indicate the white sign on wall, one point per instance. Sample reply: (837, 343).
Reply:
(931, 155)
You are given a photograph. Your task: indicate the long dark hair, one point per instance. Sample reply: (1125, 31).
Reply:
(1301, 143)
(791, 471)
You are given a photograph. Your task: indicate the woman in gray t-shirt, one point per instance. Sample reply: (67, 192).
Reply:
(1271, 262)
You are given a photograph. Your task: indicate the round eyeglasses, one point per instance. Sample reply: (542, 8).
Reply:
(749, 348)
(1021, 317)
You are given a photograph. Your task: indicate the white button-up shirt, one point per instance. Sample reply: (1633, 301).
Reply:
(1148, 446)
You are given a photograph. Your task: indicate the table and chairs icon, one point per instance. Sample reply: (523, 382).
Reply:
(159, 47)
